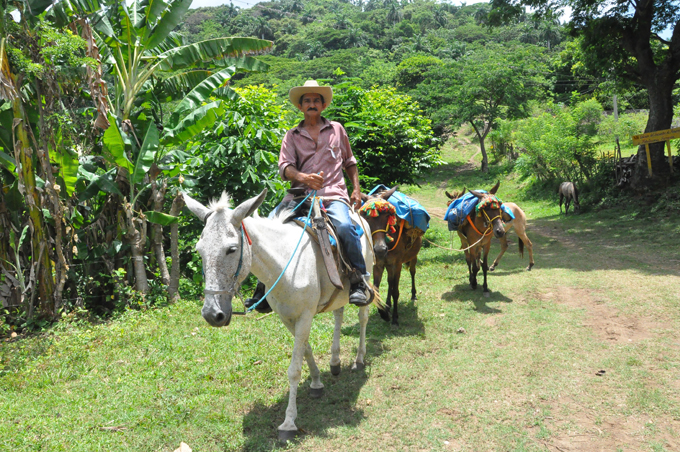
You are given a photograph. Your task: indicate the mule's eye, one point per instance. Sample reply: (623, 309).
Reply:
(231, 249)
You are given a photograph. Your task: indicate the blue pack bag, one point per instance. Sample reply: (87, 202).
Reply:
(460, 208)
(407, 208)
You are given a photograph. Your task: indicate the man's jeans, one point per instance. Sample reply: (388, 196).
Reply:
(338, 212)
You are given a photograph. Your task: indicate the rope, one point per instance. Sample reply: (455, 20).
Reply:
(304, 230)
(462, 249)
(401, 228)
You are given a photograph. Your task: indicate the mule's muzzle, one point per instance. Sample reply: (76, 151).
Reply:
(498, 231)
(380, 250)
(218, 319)
(216, 314)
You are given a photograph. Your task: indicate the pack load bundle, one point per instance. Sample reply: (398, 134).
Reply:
(461, 207)
(408, 209)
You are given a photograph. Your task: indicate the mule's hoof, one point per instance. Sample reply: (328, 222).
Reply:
(288, 435)
(487, 294)
(315, 393)
(358, 366)
(395, 324)
(385, 315)
(529, 267)
(492, 269)
(335, 370)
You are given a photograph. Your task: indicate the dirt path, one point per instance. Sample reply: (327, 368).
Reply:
(628, 312)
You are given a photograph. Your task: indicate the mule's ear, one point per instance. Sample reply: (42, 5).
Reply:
(495, 188)
(196, 207)
(388, 193)
(477, 194)
(247, 207)
(449, 195)
(364, 197)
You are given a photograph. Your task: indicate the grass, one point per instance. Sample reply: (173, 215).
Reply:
(513, 372)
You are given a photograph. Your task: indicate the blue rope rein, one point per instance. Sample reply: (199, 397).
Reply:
(291, 257)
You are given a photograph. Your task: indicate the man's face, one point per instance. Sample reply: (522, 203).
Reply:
(311, 105)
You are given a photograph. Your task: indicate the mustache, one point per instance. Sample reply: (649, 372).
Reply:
(312, 109)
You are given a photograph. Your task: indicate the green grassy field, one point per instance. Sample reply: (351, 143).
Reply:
(580, 354)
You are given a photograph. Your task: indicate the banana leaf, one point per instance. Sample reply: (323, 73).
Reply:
(160, 218)
(210, 49)
(170, 18)
(146, 155)
(201, 93)
(115, 145)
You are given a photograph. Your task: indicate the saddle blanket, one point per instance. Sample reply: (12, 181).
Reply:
(407, 208)
(303, 220)
(460, 208)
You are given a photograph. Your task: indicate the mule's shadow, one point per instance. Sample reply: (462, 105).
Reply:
(338, 405)
(464, 294)
(336, 408)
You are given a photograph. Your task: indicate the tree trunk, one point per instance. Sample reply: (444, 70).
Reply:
(135, 233)
(42, 266)
(482, 136)
(660, 118)
(158, 196)
(57, 209)
(173, 288)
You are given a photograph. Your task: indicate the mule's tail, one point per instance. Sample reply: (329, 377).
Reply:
(377, 299)
(521, 247)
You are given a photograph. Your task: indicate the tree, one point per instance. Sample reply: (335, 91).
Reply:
(144, 55)
(390, 137)
(624, 39)
(490, 84)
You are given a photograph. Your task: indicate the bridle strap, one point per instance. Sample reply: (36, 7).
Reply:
(207, 291)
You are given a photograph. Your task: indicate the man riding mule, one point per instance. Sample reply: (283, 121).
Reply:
(313, 156)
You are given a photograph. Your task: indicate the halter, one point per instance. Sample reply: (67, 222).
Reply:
(490, 201)
(244, 233)
(374, 207)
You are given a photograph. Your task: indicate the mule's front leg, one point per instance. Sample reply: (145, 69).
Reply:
(300, 329)
(473, 267)
(393, 276)
(412, 269)
(504, 247)
(485, 266)
(335, 348)
(361, 352)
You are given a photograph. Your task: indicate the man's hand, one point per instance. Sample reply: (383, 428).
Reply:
(355, 199)
(313, 181)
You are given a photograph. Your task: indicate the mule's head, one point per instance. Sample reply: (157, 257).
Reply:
(489, 208)
(381, 217)
(225, 252)
(454, 196)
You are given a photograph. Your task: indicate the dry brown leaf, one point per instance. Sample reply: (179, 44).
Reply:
(183, 447)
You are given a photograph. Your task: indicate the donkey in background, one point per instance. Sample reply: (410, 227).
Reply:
(382, 219)
(567, 192)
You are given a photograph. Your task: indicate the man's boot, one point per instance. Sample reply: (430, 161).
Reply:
(359, 292)
(263, 307)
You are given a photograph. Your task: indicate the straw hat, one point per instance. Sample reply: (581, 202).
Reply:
(310, 86)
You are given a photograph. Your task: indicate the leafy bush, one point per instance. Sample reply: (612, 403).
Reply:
(629, 124)
(558, 143)
(390, 136)
(240, 154)
(411, 71)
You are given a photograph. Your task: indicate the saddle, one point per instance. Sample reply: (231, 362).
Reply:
(321, 229)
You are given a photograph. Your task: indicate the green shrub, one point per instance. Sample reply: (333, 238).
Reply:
(390, 136)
